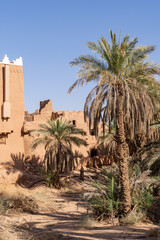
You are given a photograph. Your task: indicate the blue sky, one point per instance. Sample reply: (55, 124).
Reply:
(48, 34)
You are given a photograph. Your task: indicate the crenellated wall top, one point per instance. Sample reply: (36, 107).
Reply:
(17, 62)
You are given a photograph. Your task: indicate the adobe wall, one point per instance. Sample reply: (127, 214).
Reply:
(15, 125)
(32, 122)
(45, 113)
(12, 108)
(78, 119)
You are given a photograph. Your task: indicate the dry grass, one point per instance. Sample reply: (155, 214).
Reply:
(132, 218)
(45, 197)
(11, 190)
(17, 199)
(87, 222)
(9, 231)
(17, 203)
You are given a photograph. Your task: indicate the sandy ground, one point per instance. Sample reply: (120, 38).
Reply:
(64, 220)
(60, 215)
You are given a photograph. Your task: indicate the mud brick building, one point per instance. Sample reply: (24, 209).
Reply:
(11, 107)
(15, 122)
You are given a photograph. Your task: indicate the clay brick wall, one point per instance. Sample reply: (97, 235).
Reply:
(15, 124)
(46, 113)
(77, 118)
(11, 140)
(41, 116)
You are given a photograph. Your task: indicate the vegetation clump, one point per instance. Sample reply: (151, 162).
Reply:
(17, 204)
(57, 138)
(86, 221)
(106, 203)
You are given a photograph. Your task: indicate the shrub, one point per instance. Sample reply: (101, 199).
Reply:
(133, 217)
(17, 204)
(106, 202)
(86, 222)
(52, 178)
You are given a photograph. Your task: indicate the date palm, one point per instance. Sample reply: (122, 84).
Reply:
(58, 137)
(123, 93)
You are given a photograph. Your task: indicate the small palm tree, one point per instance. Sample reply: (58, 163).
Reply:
(124, 92)
(58, 137)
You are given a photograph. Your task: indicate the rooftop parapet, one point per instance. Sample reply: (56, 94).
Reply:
(17, 62)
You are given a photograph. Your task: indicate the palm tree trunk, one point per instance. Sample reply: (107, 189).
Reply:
(122, 151)
(59, 162)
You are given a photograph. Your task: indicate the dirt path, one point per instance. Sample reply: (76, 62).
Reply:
(61, 212)
(64, 223)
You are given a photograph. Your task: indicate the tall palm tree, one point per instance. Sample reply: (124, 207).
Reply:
(58, 137)
(123, 93)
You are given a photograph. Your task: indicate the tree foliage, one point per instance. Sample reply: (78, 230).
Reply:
(124, 93)
(57, 138)
(123, 61)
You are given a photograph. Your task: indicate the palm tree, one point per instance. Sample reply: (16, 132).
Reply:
(123, 93)
(58, 137)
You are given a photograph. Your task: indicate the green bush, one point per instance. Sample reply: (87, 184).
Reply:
(106, 202)
(52, 178)
(143, 199)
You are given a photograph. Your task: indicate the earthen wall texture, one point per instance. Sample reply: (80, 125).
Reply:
(11, 140)
(46, 113)
(14, 131)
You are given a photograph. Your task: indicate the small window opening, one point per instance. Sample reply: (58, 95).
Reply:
(74, 122)
(2, 139)
(93, 152)
(92, 132)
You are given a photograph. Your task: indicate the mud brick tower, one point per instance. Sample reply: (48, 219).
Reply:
(11, 108)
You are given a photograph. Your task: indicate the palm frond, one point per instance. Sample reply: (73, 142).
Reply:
(120, 61)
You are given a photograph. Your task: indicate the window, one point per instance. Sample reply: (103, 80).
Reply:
(93, 152)
(74, 122)
(2, 139)
(92, 132)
